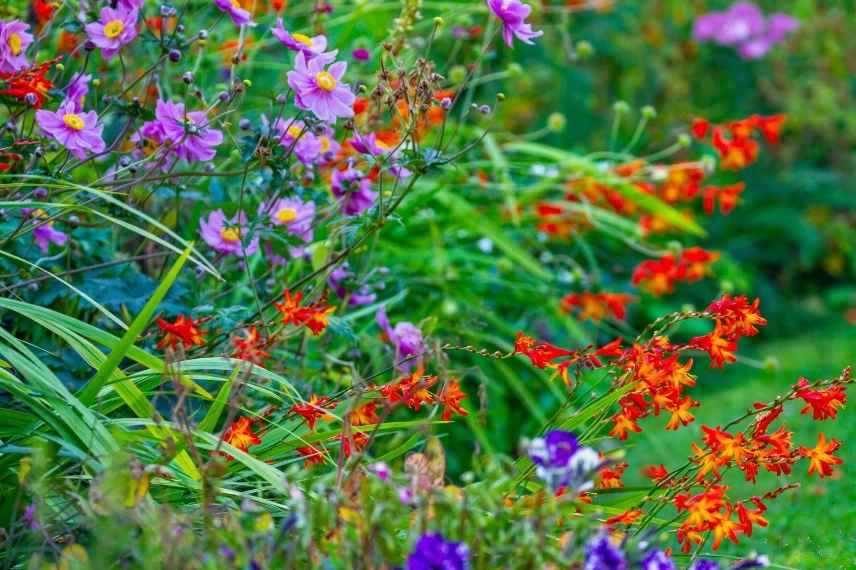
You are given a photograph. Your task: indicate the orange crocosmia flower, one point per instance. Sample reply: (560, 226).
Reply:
(681, 414)
(737, 316)
(736, 152)
(541, 354)
(411, 390)
(451, 397)
(718, 345)
(610, 477)
(700, 127)
(727, 197)
(250, 347)
(725, 527)
(625, 518)
(318, 317)
(365, 415)
(707, 461)
(315, 317)
(656, 473)
(821, 458)
(32, 81)
(681, 184)
(770, 127)
(749, 518)
(823, 404)
(657, 276)
(184, 331)
(313, 455)
(315, 408)
(360, 441)
(240, 435)
(624, 424)
(290, 308)
(695, 263)
(596, 306)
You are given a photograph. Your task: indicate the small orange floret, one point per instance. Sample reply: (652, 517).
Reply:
(184, 331)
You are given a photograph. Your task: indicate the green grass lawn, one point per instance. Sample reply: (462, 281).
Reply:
(814, 526)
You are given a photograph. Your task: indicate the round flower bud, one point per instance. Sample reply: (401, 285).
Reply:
(174, 55)
(187, 77)
(247, 83)
(438, 21)
(500, 96)
(31, 99)
(484, 109)
(649, 112)
(60, 67)
(223, 96)
(584, 49)
(514, 69)
(40, 193)
(89, 45)
(166, 10)
(446, 103)
(202, 35)
(180, 28)
(281, 99)
(684, 139)
(244, 124)
(621, 107)
(771, 364)
(556, 122)
(457, 74)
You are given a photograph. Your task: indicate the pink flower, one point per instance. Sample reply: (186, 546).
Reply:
(361, 54)
(226, 236)
(319, 90)
(513, 14)
(115, 29)
(14, 41)
(78, 132)
(45, 234)
(239, 16)
(353, 190)
(294, 136)
(311, 46)
(189, 133)
(77, 90)
(293, 214)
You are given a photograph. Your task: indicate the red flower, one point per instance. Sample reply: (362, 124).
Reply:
(596, 306)
(184, 330)
(700, 128)
(541, 354)
(240, 435)
(625, 518)
(313, 455)
(313, 409)
(656, 473)
(737, 316)
(250, 347)
(314, 317)
(718, 345)
(365, 415)
(727, 197)
(821, 458)
(823, 404)
(30, 83)
(451, 397)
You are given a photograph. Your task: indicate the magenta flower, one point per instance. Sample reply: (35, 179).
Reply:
(319, 90)
(342, 281)
(361, 54)
(226, 236)
(190, 134)
(77, 90)
(294, 136)
(78, 132)
(329, 145)
(45, 234)
(130, 4)
(368, 144)
(744, 27)
(405, 336)
(310, 46)
(14, 41)
(353, 190)
(513, 14)
(115, 29)
(293, 214)
(239, 16)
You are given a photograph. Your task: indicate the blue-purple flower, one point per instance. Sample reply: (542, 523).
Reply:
(513, 14)
(14, 41)
(405, 336)
(45, 234)
(703, 564)
(560, 461)
(744, 27)
(657, 560)
(433, 552)
(340, 281)
(601, 554)
(77, 90)
(113, 30)
(294, 136)
(353, 190)
(320, 90)
(226, 236)
(293, 215)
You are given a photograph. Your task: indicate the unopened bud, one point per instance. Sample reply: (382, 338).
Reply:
(621, 107)
(649, 112)
(556, 122)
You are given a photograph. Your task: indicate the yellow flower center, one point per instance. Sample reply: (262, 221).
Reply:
(294, 131)
(113, 28)
(286, 215)
(15, 44)
(38, 213)
(237, 4)
(325, 143)
(302, 38)
(230, 234)
(325, 81)
(73, 121)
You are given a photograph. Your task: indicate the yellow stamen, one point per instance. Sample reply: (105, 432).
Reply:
(237, 4)
(302, 38)
(325, 143)
(113, 28)
(325, 81)
(295, 131)
(73, 121)
(286, 215)
(14, 42)
(230, 234)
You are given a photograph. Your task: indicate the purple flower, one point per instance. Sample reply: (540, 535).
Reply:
(703, 564)
(239, 16)
(358, 294)
(557, 450)
(780, 25)
(432, 552)
(292, 214)
(658, 560)
(561, 462)
(756, 561)
(130, 4)
(513, 14)
(77, 90)
(191, 137)
(293, 134)
(353, 190)
(310, 46)
(45, 234)
(319, 90)
(381, 469)
(368, 144)
(744, 27)
(600, 554)
(115, 29)
(226, 237)
(78, 132)
(405, 336)
(14, 41)
(742, 21)
(361, 54)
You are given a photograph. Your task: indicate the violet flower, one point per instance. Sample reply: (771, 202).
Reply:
(115, 29)
(14, 41)
(340, 278)
(702, 564)
(78, 132)
(433, 552)
(744, 27)
(658, 560)
(190, 133)
(406, 337)
(513, 14)
(294, 135)
(319, 90)
(77, 90)
(600, 554)
(45, 233)
(309, 46)
(235, 11)
(561, 462)
(354, 191)
(361, 54)
(226, 236)
(292, 214)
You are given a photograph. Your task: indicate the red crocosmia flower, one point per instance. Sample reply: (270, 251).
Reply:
(823, 404)
(656, 473)
(43, 12)
(624, 424)
(700, 128)
(610, 476)
(240, 435)
(657, 276)
(360, 105)
(695, 263)
(737, 316)
(749, 518)
(250, 347)
(681, 414)
(727, 196)
(314, 409)
(365, 415)
(360, 441)
(451, 397)
(770, 127)
(610, 350)
(184, 330)
(682, 184)
(315, 317)
(719, 346)
(821, 458)
(29, 86)
(625, 518)
(314, 455)
(541, 354)
(736, 153)
(596, 306)
(762, 423)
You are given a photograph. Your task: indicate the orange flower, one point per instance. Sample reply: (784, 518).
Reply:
(596, 306)
(451, 397)
(681, 414)
(821, 458)
(541, 354)
(610, 477)
(748, 518)
(313, 409)
(656, 473)
(250, 347)
(718, 345)
(823, 404)
(184, 330)
(727, 197)
(313, 455)
(240, 435)
(624, 424)
(315, 317)
(625, 518)
(365, 415)
(737, 316)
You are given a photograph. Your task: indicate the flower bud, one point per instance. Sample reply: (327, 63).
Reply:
(621, 107)
(684, 140)
(584, 49)
(649, 112)
(457, 74)
(174, 55)
(187, 77)
(556, 122)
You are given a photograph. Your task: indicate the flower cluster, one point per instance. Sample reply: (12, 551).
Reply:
(562, 463)
(744, 27)
(659, 276)
(735, 142)
(314, 317)
(597, 306)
